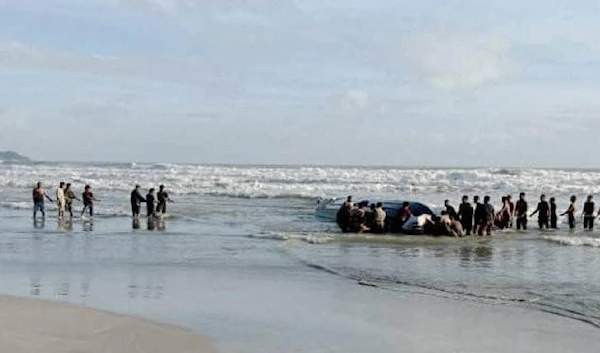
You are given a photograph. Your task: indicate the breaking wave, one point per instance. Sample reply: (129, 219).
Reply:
(574, 240)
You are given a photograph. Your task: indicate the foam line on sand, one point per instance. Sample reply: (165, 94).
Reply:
(33, 326)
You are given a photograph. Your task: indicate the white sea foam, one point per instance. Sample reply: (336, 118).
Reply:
(308, 238)
(574, 240)
(304, 182)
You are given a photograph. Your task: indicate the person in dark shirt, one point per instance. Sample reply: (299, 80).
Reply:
(88, 200)
(588, 213)
(370, 216)
(405, 213)
(543, 211)
(465, 214)
(479, 213)
(450, 211)
(136, 201)
(485, 228)
(521, 212)
(553, 214)
(150, 203)
(162, 199)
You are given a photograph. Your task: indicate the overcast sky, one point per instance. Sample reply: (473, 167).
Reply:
(429, 82)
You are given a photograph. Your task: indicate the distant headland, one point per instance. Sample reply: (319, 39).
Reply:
(10, 156)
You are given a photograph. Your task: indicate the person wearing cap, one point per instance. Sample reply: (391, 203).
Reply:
(162, 198)
(136, 201)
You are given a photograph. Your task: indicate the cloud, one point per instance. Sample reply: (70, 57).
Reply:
(451, 59)
(20, 55)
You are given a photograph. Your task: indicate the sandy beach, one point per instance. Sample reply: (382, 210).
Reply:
(31, 326)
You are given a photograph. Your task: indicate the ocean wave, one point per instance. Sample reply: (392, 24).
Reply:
(304, 182)
(574, 240)
(304, 237)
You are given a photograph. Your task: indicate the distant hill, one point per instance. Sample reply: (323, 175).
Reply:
(10, 156)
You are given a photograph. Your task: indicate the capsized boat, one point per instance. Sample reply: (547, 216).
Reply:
(327, 211)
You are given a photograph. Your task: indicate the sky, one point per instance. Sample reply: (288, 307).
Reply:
(371, 82)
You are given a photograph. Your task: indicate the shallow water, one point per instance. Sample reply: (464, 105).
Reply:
(260, 229)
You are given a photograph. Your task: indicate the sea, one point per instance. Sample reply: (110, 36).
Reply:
(254, 221)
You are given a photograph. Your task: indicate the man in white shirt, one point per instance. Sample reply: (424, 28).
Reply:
(60, 200)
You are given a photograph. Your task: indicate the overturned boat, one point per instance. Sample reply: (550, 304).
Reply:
(327, 211)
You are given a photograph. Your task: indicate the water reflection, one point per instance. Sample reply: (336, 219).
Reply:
(88, 226)
(135, 223)
(151, 224)
(156, 224)
(39, 223)
(480, 255)
(149, 287)
(65, 225)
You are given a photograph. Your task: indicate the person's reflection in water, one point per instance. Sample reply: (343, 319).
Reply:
(135, 223)
(483, 255)
(480, 256)
(466, 253)
(88, 226)
(65, 225)
(36, 286)
(68, 225)
(39, 223)
(151, 223)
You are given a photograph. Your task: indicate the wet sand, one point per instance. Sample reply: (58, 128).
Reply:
(31, 326)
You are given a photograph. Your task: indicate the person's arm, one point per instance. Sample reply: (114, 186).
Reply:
(141, 198)
(536, 211)
(569, 210)
(48, 197)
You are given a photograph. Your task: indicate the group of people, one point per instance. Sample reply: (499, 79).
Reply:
(482, 218)
(479, 218)
(156, 203)
(64, 200)
(373, 218)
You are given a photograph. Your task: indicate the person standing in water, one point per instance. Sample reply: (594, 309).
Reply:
(465, 215)
(136, 201)
(521, 212)
(450, 210)
(553, 215)
(503, 217)
(570, 212)
(39, 194)
(488, 222)
(88, 200)
(380, 216)
(588, 213)
(150, 204)
(543, 210)
(511, 206)
(69, 197)
(60, 200)
(162, 198)
(479, 214)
